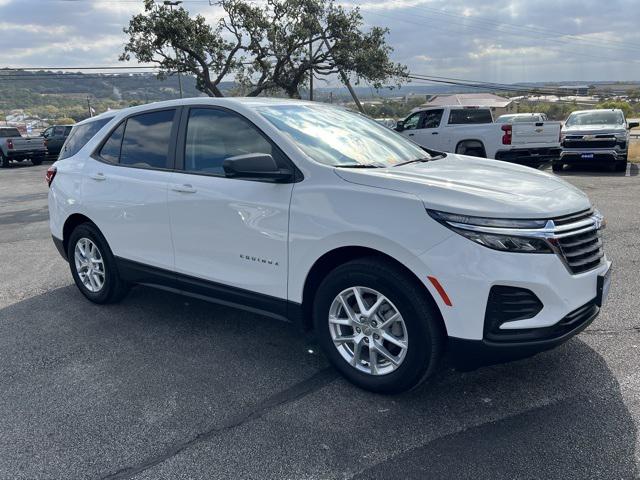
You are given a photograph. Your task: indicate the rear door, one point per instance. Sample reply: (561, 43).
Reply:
(125, 187)
(231, 233)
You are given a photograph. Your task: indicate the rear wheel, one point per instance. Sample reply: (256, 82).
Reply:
(4, 161)
(36, 160)
(557, 166)
(93, 266)
(377, 326)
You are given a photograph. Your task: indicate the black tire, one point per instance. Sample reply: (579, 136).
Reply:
(621, 166)
(4, 161)
(557, 166)
(424, 328)
(113, 288)
(36, 161)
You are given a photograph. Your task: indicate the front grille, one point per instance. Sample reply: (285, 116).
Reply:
(587, 144)
(579, 241)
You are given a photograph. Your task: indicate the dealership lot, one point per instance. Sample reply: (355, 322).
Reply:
(163, 386)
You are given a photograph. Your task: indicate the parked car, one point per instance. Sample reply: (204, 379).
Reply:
(522, 118)
(15, 147)
(309, 213)
(54, 138)
(471, 131)
(595, 136)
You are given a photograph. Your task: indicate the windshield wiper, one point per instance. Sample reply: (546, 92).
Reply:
(360, 165)
(425, 159)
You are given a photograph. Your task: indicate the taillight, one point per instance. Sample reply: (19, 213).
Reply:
(50, 175)
(10, 144)
(506, 138)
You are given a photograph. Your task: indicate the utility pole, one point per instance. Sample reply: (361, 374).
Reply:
(171, 5)
(89, 106)
(311, 70)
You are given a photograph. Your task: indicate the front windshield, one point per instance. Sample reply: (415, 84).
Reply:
(604, 117)
(337, 137)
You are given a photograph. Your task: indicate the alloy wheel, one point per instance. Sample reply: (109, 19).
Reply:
(89, 264)
(368, 330)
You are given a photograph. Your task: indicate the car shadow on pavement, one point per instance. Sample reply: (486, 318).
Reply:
(143, 380)
(577, 425)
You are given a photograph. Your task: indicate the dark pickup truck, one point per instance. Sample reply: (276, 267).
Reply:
(54, 138)
(13, 146)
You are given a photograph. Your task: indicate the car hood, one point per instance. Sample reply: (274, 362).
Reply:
(474, 186)
(594, 129)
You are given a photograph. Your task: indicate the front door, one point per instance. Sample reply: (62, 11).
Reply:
(229, 232)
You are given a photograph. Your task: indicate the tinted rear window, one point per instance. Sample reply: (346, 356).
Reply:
(80, 135)
(469, 116)
(9, 132)
(146, 140)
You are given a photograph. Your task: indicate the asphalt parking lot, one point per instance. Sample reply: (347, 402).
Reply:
(167, 387)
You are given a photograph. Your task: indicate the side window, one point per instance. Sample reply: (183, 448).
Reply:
(80, 135)
(215, 135)
(47, 132)
(432, 118)
(110, 151)
(146, 139)
(58, 131)
(411, 123)
(470, 116)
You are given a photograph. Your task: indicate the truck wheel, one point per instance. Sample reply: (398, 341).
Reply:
(4, 161)
(36, 161)
(557, 166)
(377, 326)
(93, 266)
(621, 166)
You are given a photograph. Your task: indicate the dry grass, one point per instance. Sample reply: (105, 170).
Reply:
(634, 149)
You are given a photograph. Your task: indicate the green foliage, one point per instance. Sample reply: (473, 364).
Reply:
(266, 46)
(64, 121)
(624, 106)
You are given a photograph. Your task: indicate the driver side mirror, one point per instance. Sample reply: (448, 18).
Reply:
(399, 126)
(256, 166)
(634, 125)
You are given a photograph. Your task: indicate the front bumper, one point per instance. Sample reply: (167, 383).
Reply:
(533, 157)
(469, 354)
(586, 156)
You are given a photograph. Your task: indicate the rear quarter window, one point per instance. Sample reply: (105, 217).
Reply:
(80, 135)
(470, 116)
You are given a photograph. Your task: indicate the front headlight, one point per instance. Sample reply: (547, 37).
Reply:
(507, 235)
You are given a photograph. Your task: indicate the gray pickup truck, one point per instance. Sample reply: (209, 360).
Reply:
(595, 136)
(13, 146)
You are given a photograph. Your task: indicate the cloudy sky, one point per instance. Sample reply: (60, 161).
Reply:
(497, 40)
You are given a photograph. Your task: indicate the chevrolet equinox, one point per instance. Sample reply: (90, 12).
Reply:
(389, 253)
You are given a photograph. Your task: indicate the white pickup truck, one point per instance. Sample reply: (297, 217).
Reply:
(472, 131)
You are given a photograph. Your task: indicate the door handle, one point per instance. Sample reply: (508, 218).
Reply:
(183, 188)
(98, 177)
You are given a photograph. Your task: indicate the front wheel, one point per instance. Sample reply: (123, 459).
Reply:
(4, 161)
(377, 326)
(93, 266)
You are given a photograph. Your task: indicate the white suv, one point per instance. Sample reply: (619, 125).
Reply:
(301, 211)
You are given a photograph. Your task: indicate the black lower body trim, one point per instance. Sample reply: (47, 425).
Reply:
(469, 354)
(60, 247)
(274, 307)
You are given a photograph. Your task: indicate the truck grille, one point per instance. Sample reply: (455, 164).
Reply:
(579, 241)
(598, 141)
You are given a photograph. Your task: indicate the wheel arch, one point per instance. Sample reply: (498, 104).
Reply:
(340, 255)
(71, 223)
(471, 142)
